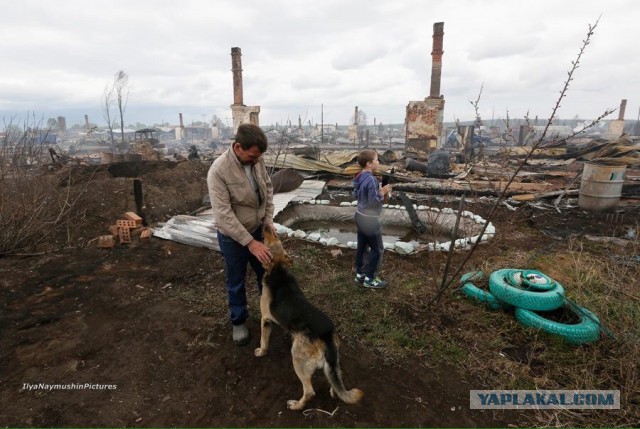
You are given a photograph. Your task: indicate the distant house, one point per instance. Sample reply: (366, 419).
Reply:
(128, 134)
(189, 134)
(45, 137)
(554, 132)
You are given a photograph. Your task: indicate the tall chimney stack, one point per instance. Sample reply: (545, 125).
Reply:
(623, 107)
(436, 58)
(236, 68)
(86, 121)
(355, 116)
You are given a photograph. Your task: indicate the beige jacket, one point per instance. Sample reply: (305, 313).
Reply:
(234, 202)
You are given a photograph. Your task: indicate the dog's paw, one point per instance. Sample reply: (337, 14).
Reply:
(259, 352)
(292, 404)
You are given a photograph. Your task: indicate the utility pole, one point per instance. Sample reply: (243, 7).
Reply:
(321, 124)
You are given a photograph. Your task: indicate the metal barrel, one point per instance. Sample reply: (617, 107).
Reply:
(601, 186)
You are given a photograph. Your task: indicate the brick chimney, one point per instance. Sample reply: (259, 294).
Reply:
(236, 68)
(623, 107)
(436, 58)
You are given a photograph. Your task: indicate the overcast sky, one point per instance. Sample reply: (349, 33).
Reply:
(58, 55)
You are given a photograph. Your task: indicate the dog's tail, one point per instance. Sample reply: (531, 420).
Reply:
(334, 375)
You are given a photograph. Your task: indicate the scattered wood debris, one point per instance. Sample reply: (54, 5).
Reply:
(106, 241)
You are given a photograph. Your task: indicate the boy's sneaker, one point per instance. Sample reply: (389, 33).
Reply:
(376, 283)
(359, 278)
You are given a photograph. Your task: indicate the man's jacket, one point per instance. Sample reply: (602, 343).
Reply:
(235, 204)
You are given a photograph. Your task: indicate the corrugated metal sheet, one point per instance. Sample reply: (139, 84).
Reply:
(309, 190)
(298, 163)
(340, 157)
(201, 230)
(330, 161)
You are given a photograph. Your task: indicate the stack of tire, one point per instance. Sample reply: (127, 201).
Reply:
(532, 292)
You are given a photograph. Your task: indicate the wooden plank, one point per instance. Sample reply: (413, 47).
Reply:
(523, 197)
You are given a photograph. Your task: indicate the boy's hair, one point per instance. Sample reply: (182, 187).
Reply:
(366, 156)
(249, 135)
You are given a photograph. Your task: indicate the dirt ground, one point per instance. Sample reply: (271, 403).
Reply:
(150, 319)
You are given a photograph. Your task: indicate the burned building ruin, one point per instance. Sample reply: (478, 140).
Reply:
(423, 120)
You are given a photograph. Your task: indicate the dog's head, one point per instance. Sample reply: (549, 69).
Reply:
(279, 255)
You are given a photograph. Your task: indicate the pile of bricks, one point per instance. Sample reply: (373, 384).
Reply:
(123, 231)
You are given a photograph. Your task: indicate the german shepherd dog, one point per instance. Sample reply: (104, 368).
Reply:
(315, 343)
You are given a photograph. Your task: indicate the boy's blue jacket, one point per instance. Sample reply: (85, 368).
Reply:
(367, 192)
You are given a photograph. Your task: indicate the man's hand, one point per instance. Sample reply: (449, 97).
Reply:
(260, 251)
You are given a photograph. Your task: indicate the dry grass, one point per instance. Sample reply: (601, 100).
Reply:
(34, 207)
(490, 347)
(602, 278)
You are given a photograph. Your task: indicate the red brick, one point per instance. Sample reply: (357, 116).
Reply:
(134, 217)
(106, 241)
(125, 223)
(124, 235)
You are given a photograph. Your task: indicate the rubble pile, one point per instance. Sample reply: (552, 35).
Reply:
(124, 231)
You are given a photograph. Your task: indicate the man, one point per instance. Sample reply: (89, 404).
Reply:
(242, 199)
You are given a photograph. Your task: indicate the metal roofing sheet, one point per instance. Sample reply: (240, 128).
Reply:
(201, 230)
(296, 162)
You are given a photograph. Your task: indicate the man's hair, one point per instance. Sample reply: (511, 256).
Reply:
(249, 135)
(365, 156)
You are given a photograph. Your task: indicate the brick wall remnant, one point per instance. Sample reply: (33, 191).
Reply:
(423, 120)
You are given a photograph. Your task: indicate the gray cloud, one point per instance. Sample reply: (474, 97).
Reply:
(58, 56)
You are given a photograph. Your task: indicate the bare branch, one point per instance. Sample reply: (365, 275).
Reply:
(535, 145)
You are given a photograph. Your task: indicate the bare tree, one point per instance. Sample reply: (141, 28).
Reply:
(34, 205)
(120, 88)
(538, 143)
(281, 137)
(52, 123)
(107, 106)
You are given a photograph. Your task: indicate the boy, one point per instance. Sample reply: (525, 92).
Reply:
(370, 198)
